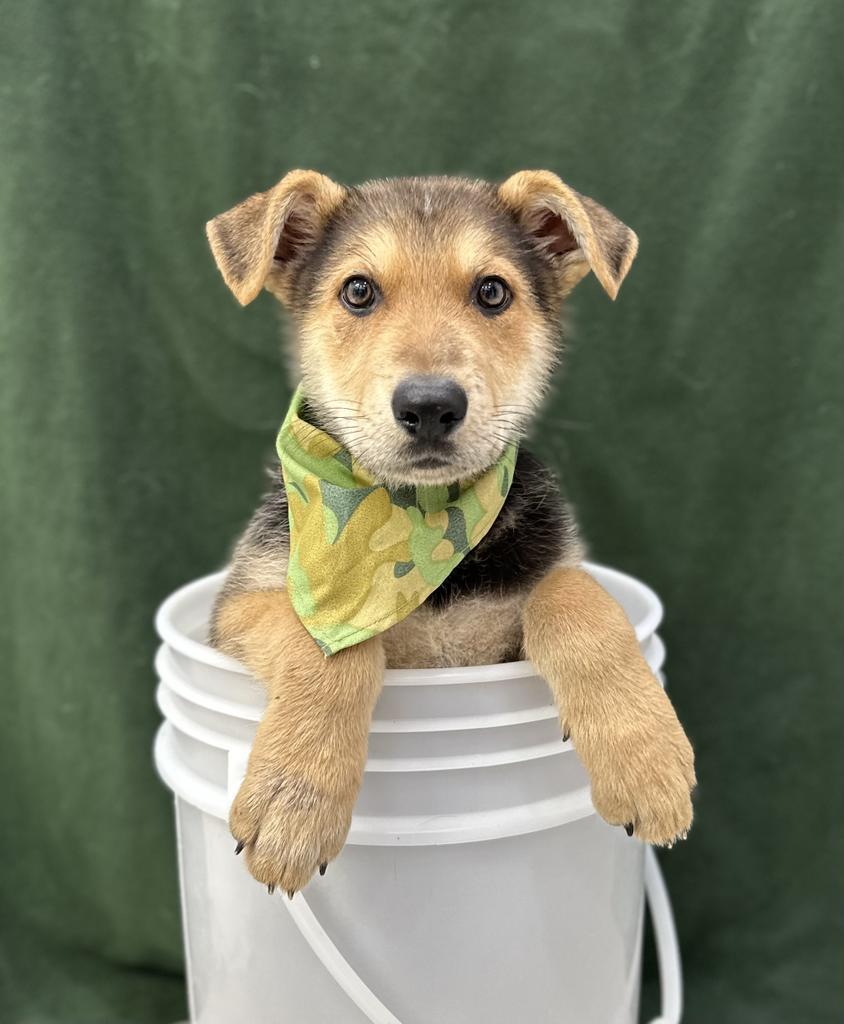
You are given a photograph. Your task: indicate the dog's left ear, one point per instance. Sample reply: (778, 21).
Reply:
(574, 233)
(258, 242)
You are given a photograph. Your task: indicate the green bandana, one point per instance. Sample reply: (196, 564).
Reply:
(363, 556)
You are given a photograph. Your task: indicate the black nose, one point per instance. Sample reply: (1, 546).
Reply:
(429, 407)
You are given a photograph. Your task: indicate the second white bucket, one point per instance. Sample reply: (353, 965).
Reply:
(477, 886)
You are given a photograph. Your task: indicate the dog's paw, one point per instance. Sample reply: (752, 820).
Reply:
(286, 829)
(643, 782)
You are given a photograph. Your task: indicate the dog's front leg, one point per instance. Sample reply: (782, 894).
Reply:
(293, 810)
(622, 724)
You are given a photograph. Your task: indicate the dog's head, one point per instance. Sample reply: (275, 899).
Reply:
(427, 309)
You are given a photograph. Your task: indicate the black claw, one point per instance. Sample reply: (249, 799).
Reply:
(271, 888)
(566, 736)
(322, 868)
(291, 893)
(628, 828)
(239, 848)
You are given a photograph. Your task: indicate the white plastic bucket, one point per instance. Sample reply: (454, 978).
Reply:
(477, 883)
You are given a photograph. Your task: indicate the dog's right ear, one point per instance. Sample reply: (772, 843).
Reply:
(259, 241)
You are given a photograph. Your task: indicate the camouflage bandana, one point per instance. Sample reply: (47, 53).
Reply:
(363, 556)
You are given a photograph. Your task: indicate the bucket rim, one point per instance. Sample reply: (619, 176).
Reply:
(170, 673)
(168, 612)
(165, 698)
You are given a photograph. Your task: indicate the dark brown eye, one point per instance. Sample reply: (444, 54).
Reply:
(358, 294)
(492, 295)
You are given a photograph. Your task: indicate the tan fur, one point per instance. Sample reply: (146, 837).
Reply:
(603, 244)
(246, 239)
(294, 808)
(458, 634)
(621, 721)
(426, 325)
(252, 569)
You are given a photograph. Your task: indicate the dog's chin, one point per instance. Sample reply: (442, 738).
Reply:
(428, 465)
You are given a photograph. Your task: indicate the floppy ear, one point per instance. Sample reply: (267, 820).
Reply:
(574, 233)
(258, 241)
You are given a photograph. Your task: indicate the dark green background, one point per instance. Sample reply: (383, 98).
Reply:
(698, 427)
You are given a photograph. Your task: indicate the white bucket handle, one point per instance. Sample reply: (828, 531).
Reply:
(665, 935)
(665, 940)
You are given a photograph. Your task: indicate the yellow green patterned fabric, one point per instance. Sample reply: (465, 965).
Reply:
(363, 556)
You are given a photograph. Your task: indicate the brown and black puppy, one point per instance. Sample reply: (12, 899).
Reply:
(427, 326)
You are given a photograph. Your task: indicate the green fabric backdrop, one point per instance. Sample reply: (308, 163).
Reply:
(698, 427)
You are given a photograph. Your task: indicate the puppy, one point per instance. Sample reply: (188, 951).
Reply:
(426, 315)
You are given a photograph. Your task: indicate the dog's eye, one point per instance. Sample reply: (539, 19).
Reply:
(358, 294)
(492, 295)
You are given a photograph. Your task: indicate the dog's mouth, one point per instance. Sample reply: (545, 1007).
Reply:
(428, 455)
(436, 463)
(430, 460)
(425, 463)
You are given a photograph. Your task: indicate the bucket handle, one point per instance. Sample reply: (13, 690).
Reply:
(665, 936)
(665, 940)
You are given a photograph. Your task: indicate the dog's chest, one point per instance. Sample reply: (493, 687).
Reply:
(477, 630)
